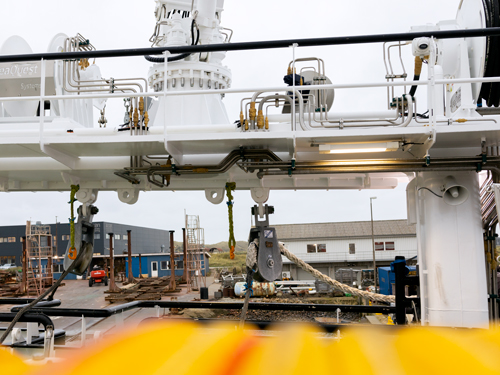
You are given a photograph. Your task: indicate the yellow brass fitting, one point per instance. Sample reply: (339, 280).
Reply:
(267, 123)
(84, 63)
(253, 111)
(141, 105)
(260, 120)
(461, 120)
(146, 119)
(242, 118)
(136, 117)
(289, 70)
(246, 125)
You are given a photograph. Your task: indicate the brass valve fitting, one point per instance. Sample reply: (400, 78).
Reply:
(260, 120)
(253, 111)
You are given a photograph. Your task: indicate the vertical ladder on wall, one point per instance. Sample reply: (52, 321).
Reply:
(38, 247)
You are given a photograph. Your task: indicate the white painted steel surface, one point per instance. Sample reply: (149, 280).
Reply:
(451, 255)
(188, 121)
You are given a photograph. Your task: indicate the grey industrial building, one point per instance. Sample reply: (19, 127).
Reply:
(144, 240)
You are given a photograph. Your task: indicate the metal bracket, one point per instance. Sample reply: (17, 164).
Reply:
(215, 196)
(260, 196)
(87, 197)
(68, 160)
(129, 196)
(70, 179)
(4, 184)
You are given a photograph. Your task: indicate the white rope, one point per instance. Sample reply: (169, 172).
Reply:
(251, 260)
(336, 284)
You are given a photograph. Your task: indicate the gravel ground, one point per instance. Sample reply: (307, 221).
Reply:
(290, 316)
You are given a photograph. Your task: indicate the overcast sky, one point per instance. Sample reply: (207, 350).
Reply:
(111, 24)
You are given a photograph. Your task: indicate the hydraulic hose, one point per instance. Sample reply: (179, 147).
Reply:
(159, 60)
(33, 304)
(416, 77)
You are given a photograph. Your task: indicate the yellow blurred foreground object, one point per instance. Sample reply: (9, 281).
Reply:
(187, 348)
(11, 364)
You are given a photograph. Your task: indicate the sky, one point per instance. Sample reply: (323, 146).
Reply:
(113, 24)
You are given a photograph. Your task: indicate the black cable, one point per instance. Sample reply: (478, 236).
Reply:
(439, 196)
(414, 87)
(159, 60)
(39, 298)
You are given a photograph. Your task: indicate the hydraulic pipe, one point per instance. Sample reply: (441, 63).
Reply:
(28, 318)
(53, 303)
(104, 313)
(244, 46)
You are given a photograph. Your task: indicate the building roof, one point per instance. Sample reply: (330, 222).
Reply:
(353, 229)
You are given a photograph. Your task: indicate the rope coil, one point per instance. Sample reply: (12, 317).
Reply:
(230, 186)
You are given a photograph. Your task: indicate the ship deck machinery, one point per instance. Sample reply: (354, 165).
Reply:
(176, 134)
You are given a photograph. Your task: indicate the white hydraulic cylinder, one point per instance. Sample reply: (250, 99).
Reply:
(451, 253)
(206, 12)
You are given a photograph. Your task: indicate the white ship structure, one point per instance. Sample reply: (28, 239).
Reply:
(176, 134)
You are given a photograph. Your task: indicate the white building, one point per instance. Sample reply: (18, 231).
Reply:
(329, 247)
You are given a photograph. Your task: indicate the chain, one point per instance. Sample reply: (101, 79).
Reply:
(230, 186)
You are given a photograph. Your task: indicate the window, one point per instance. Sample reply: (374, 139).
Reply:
(316, 248)
(164, 265)
(97, 236)
(179, 264)
(65, 237)
(117, 236)
(9, 259)
(12, 239)
(125, 237)
(387, 246)
(352, 248)
(58, 268)
(311, 248)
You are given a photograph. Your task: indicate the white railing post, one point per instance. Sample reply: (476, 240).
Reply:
(42, 99)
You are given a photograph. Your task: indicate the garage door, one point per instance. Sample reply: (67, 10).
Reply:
(303, 275)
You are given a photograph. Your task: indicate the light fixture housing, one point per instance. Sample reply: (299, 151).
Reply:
(354, 148)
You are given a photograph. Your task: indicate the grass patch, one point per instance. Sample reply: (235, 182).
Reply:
(222, 260)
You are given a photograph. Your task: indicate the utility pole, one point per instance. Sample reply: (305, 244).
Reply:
(373, 246)
(129, 240)
(57, 241)
(172, 262)
(112, 285)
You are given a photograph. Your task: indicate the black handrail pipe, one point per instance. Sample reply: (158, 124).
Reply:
(245, 46)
